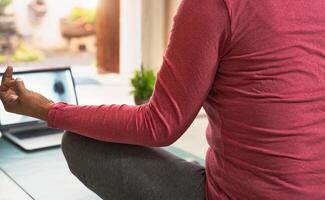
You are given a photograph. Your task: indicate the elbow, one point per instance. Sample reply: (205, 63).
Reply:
(166, 138)
(163, 130)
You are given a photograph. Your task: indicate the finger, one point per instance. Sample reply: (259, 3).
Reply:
(3, 88)
(7, 75)
(11, 98)
(9, 102)
(5, 94)
(8, 84)
(19, 86)
(2, 95)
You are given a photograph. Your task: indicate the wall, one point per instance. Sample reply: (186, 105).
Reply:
(157, 19)
(145, 26)
(171, 9)
(130, 38)
(153, 30)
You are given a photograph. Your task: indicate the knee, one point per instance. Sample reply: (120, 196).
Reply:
(65, 141)
(71, 145)
(67, 145)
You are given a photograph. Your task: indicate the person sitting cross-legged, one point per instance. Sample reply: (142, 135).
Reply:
(258, 70)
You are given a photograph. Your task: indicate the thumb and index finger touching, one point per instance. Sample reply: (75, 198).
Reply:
(18, 85)
(7, 77)
(8, 81)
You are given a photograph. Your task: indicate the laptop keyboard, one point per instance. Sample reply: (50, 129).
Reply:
(36, 133)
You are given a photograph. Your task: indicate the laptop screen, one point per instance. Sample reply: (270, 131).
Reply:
(56, 85)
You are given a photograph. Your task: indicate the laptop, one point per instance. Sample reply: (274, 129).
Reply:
(29, 133)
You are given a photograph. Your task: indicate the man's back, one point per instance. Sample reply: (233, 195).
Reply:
(268, 97)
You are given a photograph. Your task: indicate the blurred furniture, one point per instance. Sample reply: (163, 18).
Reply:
(75, 29)
(79, 33)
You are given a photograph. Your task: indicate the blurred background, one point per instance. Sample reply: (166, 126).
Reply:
(112, 36)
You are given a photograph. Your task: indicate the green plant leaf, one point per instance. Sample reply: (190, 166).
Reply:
(2, 59)
(87, 14)
(5, 3)
(25, 54)
(143, 82)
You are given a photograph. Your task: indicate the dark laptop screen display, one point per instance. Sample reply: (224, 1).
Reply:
(56, 85)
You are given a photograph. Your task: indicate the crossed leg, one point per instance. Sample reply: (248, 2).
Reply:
(120, 171)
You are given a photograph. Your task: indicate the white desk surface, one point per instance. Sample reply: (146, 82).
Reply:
(9, 190)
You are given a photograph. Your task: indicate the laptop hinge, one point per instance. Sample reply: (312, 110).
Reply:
(27, 127)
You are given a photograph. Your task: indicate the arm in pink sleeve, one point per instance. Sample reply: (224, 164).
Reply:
(200, 31)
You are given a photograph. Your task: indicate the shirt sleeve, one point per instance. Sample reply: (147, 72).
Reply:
(199, 34)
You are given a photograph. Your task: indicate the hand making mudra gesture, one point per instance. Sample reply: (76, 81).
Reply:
(19, 100)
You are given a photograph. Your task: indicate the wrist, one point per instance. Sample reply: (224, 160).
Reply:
(45, 108)
(38, 106)
(41, 110)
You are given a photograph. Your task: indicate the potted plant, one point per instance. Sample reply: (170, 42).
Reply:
(143, 82)
(80, 23)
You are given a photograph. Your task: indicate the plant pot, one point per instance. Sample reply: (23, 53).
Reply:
(71, 29)
(140, 101)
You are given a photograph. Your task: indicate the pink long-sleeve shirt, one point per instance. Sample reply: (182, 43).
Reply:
(258, 69)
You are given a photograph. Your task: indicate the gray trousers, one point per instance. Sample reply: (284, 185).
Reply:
(119, 171)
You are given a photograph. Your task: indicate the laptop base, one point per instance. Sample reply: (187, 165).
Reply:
(35, 139)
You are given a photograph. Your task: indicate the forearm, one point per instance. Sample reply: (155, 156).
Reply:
(114, 123)
(41, 112)
(41, 109)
